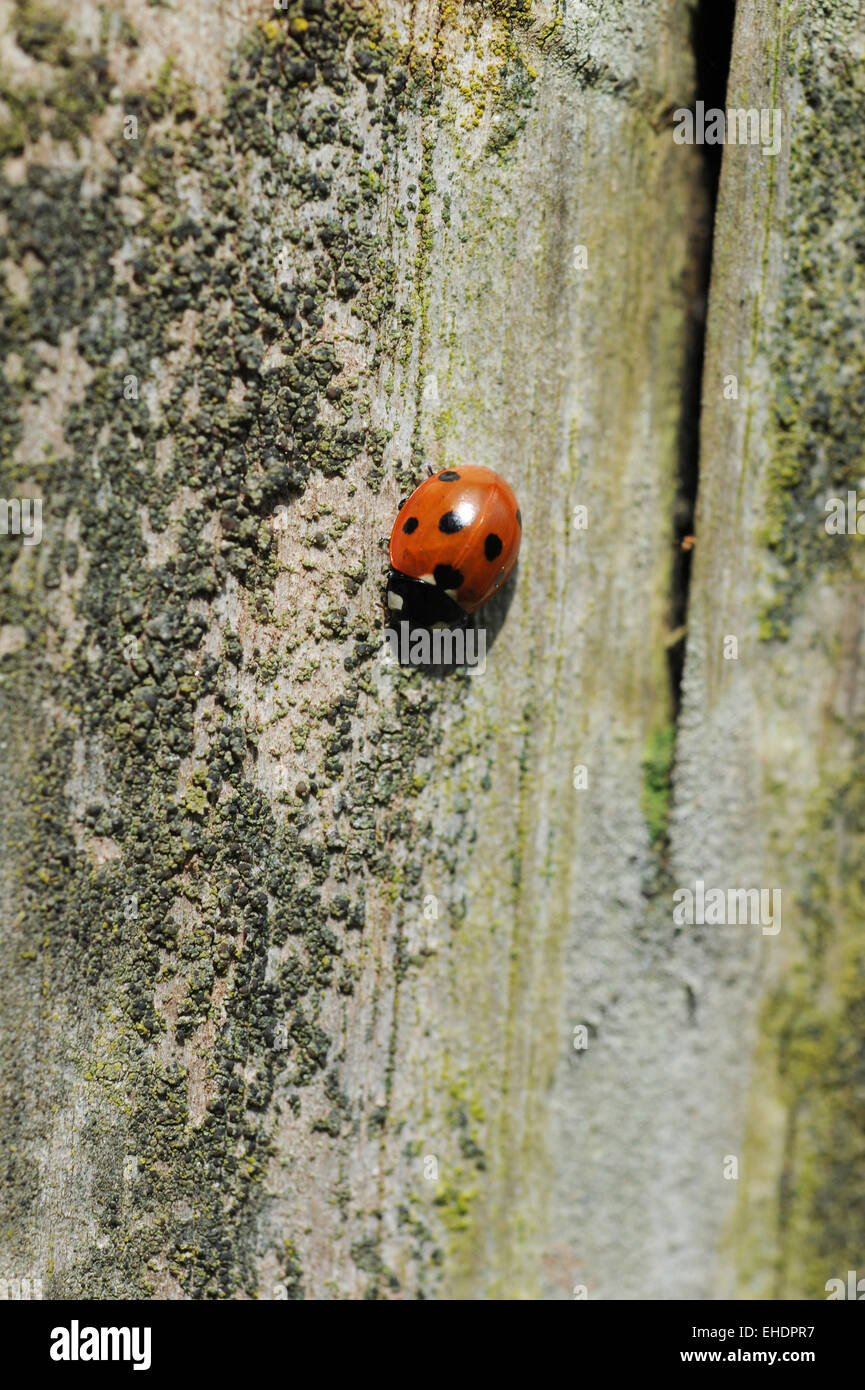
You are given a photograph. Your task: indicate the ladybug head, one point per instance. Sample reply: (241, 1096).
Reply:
(421, 604)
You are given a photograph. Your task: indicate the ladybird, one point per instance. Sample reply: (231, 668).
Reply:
(453, 545)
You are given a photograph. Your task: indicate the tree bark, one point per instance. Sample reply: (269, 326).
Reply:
(327, 979)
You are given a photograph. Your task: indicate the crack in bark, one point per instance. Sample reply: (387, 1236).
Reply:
(712, 41)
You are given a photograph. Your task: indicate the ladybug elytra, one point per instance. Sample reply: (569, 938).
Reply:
(453, 545)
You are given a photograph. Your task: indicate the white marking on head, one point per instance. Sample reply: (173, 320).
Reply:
(394, 601)
(427, 579)
(451, 593)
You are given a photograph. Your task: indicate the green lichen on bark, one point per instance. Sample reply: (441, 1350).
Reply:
(817, 352)
(801, 1217)
(76, 91)
(271, 1038)
(798, 1221)
(168, 892)
(658, 781)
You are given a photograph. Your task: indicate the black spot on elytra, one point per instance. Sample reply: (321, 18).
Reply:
(446, 577)
(410, 525)
(449, 476)
(519, 519)
(492, 546)
(451, 522)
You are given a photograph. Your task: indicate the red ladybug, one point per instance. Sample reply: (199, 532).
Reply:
(453, 545)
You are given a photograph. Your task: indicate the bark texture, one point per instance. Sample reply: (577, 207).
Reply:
(297, 943)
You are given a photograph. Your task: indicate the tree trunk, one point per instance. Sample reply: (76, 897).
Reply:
(330, 979)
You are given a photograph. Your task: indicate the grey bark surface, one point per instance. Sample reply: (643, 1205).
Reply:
(298, 944)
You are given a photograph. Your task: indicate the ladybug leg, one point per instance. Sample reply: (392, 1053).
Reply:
(401, 503)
